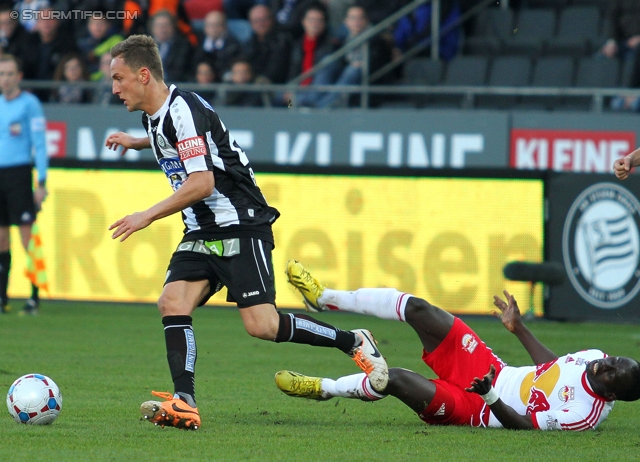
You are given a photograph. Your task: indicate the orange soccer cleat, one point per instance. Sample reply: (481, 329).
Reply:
(171, 413)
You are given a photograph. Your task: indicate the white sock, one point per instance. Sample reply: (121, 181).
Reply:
(382, 303)
(351, 386)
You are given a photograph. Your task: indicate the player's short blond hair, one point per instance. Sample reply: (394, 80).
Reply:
(139, 51)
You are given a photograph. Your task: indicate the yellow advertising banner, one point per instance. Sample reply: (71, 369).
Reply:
(443, 239)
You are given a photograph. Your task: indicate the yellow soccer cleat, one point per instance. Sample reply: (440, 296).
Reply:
(300, 386)
(308, 286)
(171, 413)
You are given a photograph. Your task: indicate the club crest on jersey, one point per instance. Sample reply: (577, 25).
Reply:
(469, 343)
(15, 128)
(566, 394)
(161, 141)
(191, 147)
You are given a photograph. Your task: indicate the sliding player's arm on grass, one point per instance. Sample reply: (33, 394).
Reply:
(511, 319)
(507, 416)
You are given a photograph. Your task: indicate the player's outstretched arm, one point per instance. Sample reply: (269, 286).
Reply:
(127, 142)
(507, 416)
(199, 185)
(511, 319)
(621, 167)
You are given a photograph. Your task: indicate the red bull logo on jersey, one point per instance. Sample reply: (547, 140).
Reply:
(542, 381)
(566, 394)
(542, 368)
(191, 147)
(538, 401)
(469, 343)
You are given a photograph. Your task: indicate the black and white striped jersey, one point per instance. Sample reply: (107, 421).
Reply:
(187, 136)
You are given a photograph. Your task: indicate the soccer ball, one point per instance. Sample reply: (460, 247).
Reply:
(34, 399)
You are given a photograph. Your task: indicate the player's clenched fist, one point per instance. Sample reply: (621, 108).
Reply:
(622, 167)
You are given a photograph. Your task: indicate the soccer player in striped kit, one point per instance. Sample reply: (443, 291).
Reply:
(474, 387)
(228, 238)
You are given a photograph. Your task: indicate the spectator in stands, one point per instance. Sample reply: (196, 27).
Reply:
(99, 39)
(289, 13)
(268, 49)
(415, 29)
(239, 9)
(357, 23)
(336, 11)
(377, 10)
(217, 46)
(71, 69)
(16, 41)
(242, 73)
(175, 49)
(623, 22)
(145, 9)
(29, 21)
(104, 94)
(52, 42)
(315, 45)
(205, 74)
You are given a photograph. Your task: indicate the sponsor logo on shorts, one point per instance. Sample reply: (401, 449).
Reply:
(469, 343)
(191, 147)
(26, 217)
(566, 394)
(250, 294)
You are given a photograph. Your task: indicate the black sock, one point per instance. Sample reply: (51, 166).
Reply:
(35, 293)
(300, 328)
(5, 266)
(181, 354)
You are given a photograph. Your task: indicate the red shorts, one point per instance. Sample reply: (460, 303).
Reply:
(460, 358)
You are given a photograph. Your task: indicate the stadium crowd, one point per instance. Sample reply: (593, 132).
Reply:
(254, 41)
(232, 41)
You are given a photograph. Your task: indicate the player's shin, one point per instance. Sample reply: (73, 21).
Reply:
(355, 386)
(181, 355)
(300, 328)
(382, 303)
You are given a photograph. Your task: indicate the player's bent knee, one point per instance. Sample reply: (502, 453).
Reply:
(261, 331)
(168, 306)
(400, 380)
(418, 310)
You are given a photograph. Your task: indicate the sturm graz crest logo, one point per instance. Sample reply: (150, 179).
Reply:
(161, 141)
(601, 245)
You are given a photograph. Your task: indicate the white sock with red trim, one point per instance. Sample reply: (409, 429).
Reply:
(351, 386)
(382, 303)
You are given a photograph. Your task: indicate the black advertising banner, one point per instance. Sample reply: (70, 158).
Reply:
(593, 229)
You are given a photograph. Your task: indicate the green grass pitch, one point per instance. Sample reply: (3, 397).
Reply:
(107, 357)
